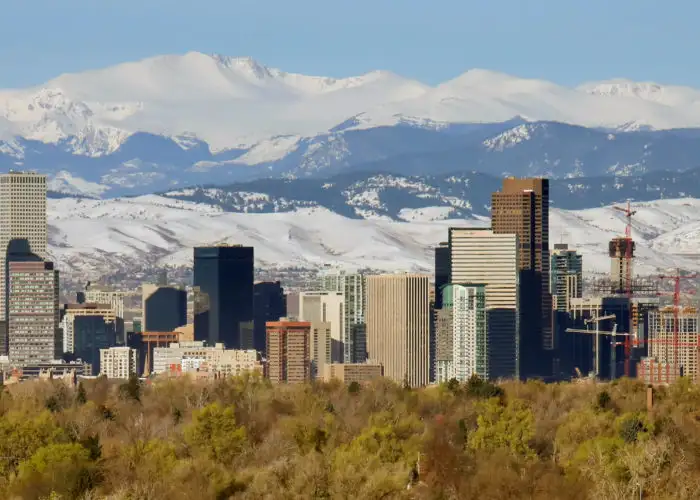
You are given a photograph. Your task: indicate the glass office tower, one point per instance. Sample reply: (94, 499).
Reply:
(224, 274)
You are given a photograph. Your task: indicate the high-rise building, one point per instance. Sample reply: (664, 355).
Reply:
(673, 340)
(326, 307)
(164, 308)
(32, 307)
(398, 326)
(442, 271)
(288, 351)
(482, 257)
(621, 252)
(98, 294)
(522, 208)
(119, 362)
(22, 219)
(566, 276)
(72, 311)
(224, 274)
(352, 286)
(269, 304)
(91, 334)
(462, 341)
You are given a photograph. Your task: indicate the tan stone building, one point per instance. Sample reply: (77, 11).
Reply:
(22, 219)
(398, 326)
(288, 351)
(352, 372)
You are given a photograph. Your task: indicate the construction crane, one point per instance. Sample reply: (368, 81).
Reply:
(676, 308)
(597, 321)
(597, 332)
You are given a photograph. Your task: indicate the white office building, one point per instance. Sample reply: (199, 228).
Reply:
(119, 362)
(326, 307)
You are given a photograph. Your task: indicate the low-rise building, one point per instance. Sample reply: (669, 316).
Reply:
(188, 357)
(352, 372)
(119, 362)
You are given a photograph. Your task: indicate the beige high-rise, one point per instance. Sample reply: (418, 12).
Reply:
(22, 217)
(398, 326)
(481, 257)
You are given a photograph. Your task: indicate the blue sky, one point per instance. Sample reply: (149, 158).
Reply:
(567, 41)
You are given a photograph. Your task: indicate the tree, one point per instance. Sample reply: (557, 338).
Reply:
(510, 427)
(131, 389)
(22, 435)
(81, 395)
(63, 468)
(215, 432)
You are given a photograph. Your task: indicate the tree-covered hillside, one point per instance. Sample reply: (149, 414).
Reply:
(242, 438)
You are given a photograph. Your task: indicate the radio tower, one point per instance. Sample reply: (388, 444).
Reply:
(624, 248)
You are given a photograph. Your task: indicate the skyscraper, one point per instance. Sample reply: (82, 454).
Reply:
(33, 312)
(224, 274)
(481, 257)
(522, 208)
(269, 304)
(164, 308)
(566, 276)
(442, 271)
(22, 217)
(398, 326)
(462, 334)
(352, 286)
(326, 307)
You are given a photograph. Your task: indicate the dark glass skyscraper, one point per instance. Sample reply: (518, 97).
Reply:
(90, 334)
(269, 305)
(225, 275)
(164, 308)
(442, 271)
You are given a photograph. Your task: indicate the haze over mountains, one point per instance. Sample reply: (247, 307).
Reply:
(176, 121)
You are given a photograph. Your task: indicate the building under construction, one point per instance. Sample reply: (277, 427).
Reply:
(673, 345)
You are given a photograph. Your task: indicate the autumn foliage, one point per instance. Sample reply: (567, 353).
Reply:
(243, 438)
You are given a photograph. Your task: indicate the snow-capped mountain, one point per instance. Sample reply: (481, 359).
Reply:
(91, 238)
(171, 122)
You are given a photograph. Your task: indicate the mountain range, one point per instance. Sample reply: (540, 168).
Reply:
(92, 238)
(177, 122)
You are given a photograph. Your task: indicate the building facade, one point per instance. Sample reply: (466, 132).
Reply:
(675, 344)
(23, 221)
(288, 351)
(348, 373)
(190, 357)
(482, 257)
(352, 286)
(224, 277)
(119, 362)
(320, 344)
(97, 294)
(326, 307)
(91, 334)
(566, 276)
(33, 313)
(398, 326)
(462, 342)
(72, 311)
(522, 208)
(164, 308)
